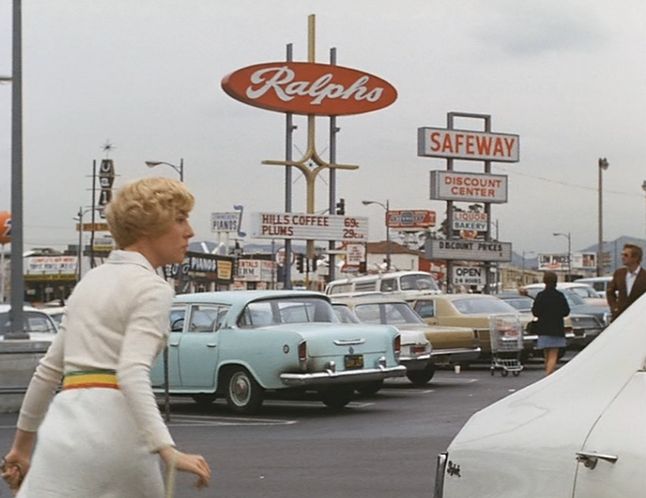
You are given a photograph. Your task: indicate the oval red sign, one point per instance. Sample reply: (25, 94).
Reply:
(309, 88)
(5, 227)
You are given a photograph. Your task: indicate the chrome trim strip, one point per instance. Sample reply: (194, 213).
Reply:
(348, 342)
(440, 469)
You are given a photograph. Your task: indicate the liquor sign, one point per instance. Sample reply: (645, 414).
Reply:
(552, 262)
(225, 222)
(468, 250)
(468, 187)
(470, 220)
(469, 275)
(304, 226)
(309, 88)
(410, 220)
(584, 261)
(463, 144)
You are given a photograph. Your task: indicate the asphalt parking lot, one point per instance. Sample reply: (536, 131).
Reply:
(383, 446)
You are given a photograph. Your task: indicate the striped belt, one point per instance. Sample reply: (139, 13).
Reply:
(90, 378)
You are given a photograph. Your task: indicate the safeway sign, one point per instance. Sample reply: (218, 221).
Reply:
(464, 144)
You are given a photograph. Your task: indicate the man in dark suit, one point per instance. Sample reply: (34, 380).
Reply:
(628, 283)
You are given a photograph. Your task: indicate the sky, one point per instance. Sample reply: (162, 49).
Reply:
(567, 76)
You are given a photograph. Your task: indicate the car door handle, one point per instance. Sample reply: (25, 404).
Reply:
(590, 458)
(211, 345)
(174, 345)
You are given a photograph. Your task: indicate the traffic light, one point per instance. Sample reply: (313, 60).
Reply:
(299, 262)
(340, 206)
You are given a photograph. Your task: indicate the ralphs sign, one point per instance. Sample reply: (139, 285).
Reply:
(309, 88)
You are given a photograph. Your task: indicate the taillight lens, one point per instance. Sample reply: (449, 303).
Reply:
(397, 345)
(302, 351)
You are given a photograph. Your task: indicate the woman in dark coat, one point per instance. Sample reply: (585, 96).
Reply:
(550, 306)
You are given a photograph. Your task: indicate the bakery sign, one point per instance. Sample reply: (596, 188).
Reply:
(309, 226)
(470, 145)
(309, 88)
(468, 250)
(470, 220)
(468, 187)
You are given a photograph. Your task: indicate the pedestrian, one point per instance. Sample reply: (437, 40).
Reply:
(550, 307)
(103, 435)
(628, 283)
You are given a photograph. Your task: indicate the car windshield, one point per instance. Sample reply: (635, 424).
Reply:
(473, 306)
(345, 314)
(417, 282)
(387, 313)
(521, 303)
(573, 299)
(286, 310)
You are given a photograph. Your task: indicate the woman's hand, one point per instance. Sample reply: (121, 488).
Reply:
(195, 464)
(13, 469)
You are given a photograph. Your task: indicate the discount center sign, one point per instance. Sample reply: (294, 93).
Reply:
(468, 187)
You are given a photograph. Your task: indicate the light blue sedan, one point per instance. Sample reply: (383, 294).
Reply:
(240, 344)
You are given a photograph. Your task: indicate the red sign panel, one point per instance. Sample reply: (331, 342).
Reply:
(410, 220)
(309, 88)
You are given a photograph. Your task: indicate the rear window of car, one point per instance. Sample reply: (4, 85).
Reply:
(33, 322)
(286, 310)
(470, 306)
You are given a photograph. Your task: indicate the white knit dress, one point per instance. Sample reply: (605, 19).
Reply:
(101, 442)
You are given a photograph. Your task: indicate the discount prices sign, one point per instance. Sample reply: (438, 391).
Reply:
(309, 226)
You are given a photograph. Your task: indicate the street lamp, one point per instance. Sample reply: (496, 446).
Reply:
(79, 218)
(569, 249)
(179, 169)
(603, 165)
(386, 208)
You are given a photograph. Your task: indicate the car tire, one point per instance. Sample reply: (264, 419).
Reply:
(336, 398)
(243, 393)
(204, 400)
(421, 377)
(370, 388)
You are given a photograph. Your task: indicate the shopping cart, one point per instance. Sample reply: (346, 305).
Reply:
(506, 335)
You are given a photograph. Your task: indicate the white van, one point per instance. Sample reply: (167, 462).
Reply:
(399, 283)
(599, 284)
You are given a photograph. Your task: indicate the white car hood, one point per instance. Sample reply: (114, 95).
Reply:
(542, 426)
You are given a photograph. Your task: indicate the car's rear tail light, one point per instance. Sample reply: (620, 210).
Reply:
(418, 349)
(397, 345)
(302, 351)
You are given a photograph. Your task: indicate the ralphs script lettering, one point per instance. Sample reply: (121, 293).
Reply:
(309, 88)
(281, 81)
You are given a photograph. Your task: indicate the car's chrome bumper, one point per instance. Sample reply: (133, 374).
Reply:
(415, 362)
(455, 355)
(342, 377)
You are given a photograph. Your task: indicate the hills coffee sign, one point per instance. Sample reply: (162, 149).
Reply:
(309, 88)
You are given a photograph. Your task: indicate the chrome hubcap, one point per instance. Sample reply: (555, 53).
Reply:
(240, 389)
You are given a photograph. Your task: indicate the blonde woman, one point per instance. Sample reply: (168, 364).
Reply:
(102, 435)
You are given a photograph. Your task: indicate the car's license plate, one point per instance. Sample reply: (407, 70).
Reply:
(353, 361)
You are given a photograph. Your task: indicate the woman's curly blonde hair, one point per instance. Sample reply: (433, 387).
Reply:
(146, 208)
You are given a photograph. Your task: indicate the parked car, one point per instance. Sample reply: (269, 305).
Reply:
(477, 311)
(56, 313)
(599, 284)
(578, 433)
(37, 324)
(415, 352)
(240, 344)
(584, 290)
(397, 284)
(450, 345)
